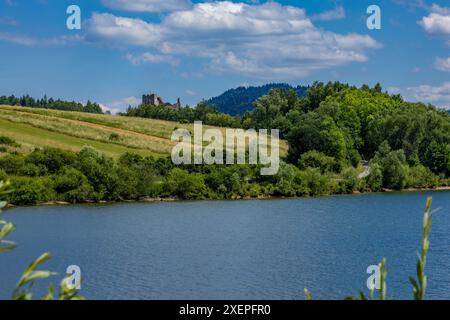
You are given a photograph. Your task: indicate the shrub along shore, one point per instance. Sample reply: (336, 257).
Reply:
(53, 176)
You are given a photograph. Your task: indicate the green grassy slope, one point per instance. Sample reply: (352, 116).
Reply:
(112, 135)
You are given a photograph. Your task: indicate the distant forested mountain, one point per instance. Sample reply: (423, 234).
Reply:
(238, 101)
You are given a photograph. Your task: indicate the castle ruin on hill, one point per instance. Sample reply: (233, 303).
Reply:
(155, 100)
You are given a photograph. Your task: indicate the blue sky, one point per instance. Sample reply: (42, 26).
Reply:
(199, 49)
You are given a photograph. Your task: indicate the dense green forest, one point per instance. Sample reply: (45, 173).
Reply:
(330, 131)
(240, 100)
(27, 101)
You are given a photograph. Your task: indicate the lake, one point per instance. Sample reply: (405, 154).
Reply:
(234, 249)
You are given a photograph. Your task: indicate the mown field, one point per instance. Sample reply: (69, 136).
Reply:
(112, 135)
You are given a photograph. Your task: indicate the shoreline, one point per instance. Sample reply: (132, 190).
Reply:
(53, 203)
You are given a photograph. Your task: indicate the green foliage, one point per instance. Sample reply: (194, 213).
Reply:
(184, 185)
(6, 227)
(316, 183)
(316, 159)
(350, 181)
(375, 179)
(28, 191)
(12, 163)
(422, 177)
(317, 132)
(27, 101)
(8, 141)
(72, 185)
(393, 165)
(271, 111)
(3, 175)
(53, 160)
(202, 112)
(114, 137)
(420, 284)
(29, 277)
(437, 158)
(319, 92)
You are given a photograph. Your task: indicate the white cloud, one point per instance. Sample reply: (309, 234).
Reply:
(148, 5)
(124, 30)
(267, 40)
(441, 10)
(438, 21)
(442, 64)
(437, 95)
(120, 105)
(148, 57)
(335, 14)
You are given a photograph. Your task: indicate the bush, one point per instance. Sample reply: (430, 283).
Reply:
(51, 159)
(184, 185)
(393, 166)
(114, 137)
(101, 172)
(73, 185)
(27, 191)
(422, 177)
(8, 141)
(437, 158)
(316, 159)
(395, 170)
(12, 163)
(316, 183)
(375, 179)
(349, 182)
(31, 170)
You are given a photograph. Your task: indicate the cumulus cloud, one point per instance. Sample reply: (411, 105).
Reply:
(267, 40)
(119, 30)
(442, 64)
(437, 95)
(148, 5)
(437, 22)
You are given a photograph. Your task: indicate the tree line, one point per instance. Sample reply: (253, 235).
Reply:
(27, 101)
(87, 176)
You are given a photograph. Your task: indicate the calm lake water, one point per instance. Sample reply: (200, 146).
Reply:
(235, 250)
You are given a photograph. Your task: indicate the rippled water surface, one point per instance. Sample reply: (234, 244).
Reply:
(234, 250)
